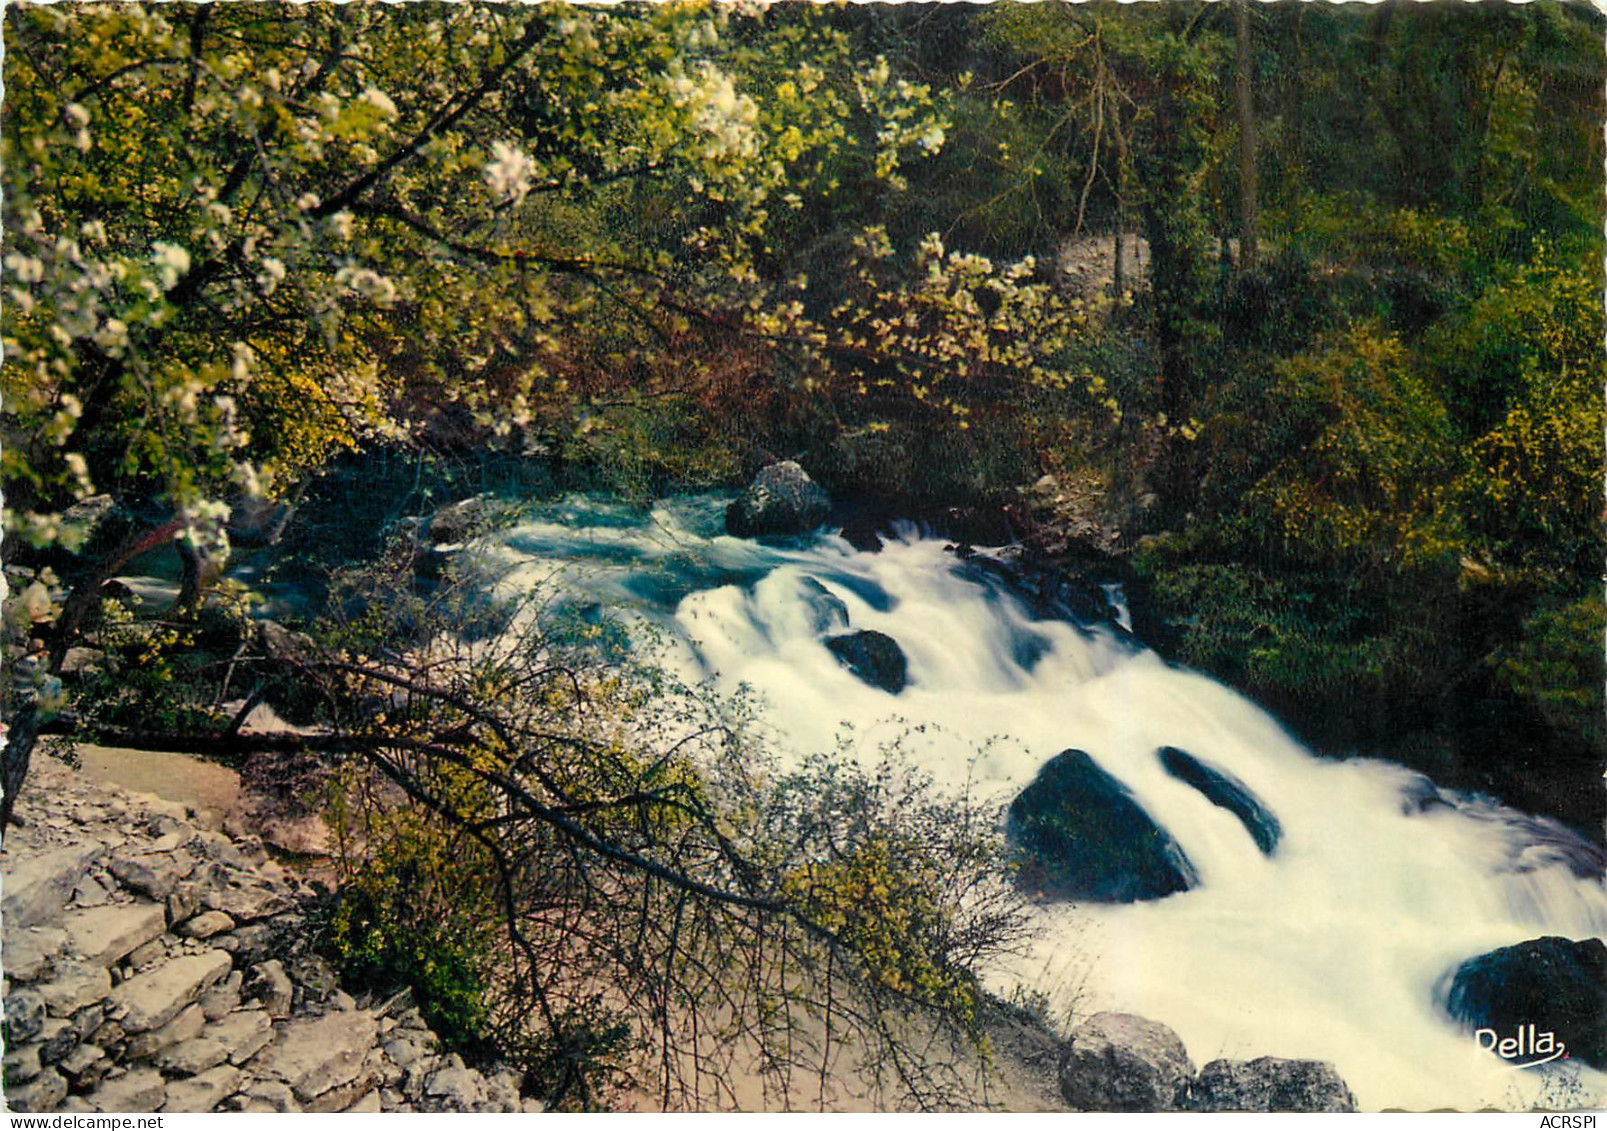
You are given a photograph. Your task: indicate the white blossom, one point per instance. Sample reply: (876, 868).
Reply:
(35, 602)
(171, 262)
(380, 101)
(509, 171)
(369, 283)
(271, 275)
(204, 527)
(113, 337)
(25, 267)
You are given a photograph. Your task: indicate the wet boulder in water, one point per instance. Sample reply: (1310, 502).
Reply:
(1422, 796)
(1223, 789)
(1080, 835)
(1555, 984)
(861, 533)
(1271, 1083)
(782, 499)
(874, 657)
(467, 519)
(1119, 1062)
(826, 609)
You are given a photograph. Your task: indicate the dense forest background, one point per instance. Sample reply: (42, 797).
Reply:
(1294, 309)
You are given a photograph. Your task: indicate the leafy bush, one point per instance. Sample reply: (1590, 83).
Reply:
(1556, 664)
(602, 876)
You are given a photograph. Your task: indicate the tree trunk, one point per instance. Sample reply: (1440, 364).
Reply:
(23, 730)
(1249, 251)
(21, 735)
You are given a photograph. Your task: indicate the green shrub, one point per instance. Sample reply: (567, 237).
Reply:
(1556, 664)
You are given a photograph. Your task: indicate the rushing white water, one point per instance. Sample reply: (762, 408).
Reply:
(1332, 948)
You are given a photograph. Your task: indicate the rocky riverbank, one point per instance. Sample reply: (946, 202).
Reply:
(157, 958)
(155, 962)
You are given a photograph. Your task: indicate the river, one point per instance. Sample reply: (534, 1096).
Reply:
(1336, 946)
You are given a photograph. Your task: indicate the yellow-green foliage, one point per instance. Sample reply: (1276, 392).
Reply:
(1375, 444)
(1528, 360)
(881, 900)
(415, 905)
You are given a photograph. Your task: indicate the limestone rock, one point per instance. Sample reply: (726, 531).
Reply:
(57, 1038)
(1271, 1083)
(151, 1000)
(106, 935)
(73, 986)
(191, 1058)
(25, 1015)
(242, 1035)
(368, 1105)
(1119, 1062)
(184, 901)
(76, 1062)
(316, 1055)
(27, 953)
(455, 1088)
(110, 1035)
(404, 1051)
(186, 1026)
(152, 874)
(22, 1064)
(223, 998)
(144, 956)
(42, 1093)
(37, 887)
(88, 1019)
(141, 1090)
(206, 924)
(273, 1095)
(315, 975)
(247, 902)
(270, 985)
(203, 1091)
(90, 892)
(342, 1096)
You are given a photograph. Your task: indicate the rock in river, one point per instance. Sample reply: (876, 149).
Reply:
(1081, 835)
(1119, 1062)
(1271, 1083)
(874, 657)
(1223, 789)
(1557, 985)
(782, 499)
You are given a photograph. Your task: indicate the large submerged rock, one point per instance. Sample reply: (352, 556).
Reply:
(1080, 835)
(827, 612)
(1271, 1083)
(1119, 1062)
(874, 657)
(1223, 789)
(782, 499)
(1557, 985)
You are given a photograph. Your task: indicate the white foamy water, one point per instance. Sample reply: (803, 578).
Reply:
(1332, 948)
